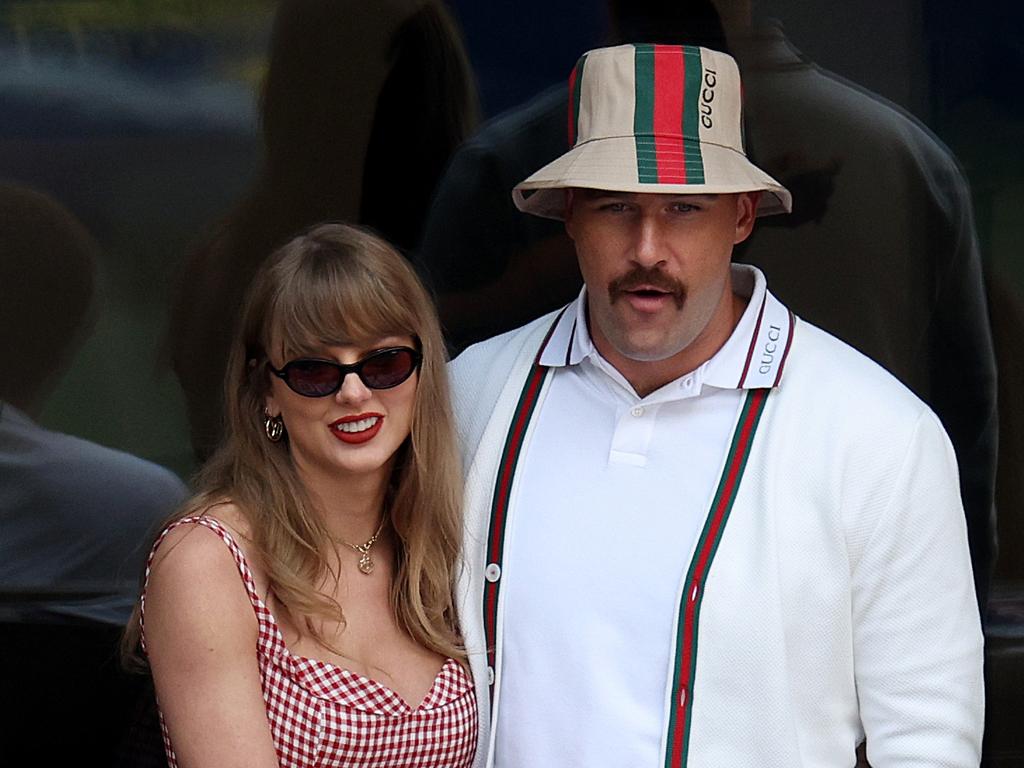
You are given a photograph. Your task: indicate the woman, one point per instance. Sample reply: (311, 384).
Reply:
(299, 611)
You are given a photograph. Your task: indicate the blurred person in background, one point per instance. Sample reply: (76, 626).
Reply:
(75, 516)
(356, 96)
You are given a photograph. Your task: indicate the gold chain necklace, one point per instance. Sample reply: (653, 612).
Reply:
(365, 560)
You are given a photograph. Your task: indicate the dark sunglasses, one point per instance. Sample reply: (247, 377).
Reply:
(383, 369)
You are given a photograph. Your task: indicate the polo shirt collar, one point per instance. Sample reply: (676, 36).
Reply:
(753, 357)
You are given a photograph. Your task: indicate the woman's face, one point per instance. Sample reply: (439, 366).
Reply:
(353, 432)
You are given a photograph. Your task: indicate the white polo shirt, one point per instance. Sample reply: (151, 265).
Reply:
(612, 494)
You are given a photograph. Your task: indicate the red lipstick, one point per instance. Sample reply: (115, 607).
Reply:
(359, 428)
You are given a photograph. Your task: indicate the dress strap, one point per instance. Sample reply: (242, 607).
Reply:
(215, 525)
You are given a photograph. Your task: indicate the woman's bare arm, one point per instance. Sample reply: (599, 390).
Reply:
(201, 641)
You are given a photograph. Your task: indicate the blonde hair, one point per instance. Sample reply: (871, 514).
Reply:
(337, 284)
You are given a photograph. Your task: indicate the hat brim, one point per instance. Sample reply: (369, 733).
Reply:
(610, 164)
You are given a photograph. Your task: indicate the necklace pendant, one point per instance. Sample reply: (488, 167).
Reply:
(366, 563)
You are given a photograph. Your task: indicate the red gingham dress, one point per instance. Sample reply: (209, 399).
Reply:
(323, 715)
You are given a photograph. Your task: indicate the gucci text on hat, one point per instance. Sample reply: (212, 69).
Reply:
(652, 118)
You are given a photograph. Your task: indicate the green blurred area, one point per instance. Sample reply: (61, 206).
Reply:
(194, 15)
(120, 390)
(147, 193)
(233, 25)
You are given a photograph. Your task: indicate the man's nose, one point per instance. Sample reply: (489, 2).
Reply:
(647, 249)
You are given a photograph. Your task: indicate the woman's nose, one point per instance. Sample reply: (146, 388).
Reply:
(353, 390)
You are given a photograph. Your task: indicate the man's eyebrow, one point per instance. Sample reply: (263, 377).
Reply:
(695, 197)
(594, 194)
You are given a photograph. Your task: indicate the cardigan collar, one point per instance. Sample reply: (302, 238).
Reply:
(753, 357)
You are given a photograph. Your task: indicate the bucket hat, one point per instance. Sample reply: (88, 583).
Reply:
(652, 118)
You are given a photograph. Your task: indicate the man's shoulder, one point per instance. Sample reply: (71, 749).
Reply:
(825, 370)
(121, 468)
(503, 152)
(59, 465)
(540, 119)
(482, 358)
(481, 373)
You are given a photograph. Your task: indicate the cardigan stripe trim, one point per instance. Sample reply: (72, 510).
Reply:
(685, 669)
(528, 400)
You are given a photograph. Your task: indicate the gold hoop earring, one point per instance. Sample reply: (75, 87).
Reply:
(273, 426)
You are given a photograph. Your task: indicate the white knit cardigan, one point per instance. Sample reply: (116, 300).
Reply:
(840, 603)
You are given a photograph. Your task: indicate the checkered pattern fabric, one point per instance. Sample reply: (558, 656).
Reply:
(323, 715)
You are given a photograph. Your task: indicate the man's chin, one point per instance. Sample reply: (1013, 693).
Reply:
(649, 350)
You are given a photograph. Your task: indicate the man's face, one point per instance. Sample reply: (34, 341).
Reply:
(657, 267)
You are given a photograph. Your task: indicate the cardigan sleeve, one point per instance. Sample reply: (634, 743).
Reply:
(918, 647)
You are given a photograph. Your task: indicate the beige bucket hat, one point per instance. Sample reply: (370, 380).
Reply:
(652, 118)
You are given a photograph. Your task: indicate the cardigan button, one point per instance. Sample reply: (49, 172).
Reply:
(490, 675)
(492, 572)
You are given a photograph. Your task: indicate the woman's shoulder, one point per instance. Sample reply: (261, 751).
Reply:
(199, 623)
(199, 577)
(212, 543)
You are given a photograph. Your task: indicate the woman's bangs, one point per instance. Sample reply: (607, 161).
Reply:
(336, 309)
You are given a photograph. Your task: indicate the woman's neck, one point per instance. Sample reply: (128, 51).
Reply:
(351, 505)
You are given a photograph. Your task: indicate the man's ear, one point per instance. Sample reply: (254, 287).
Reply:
(746, 214)
(569, 197)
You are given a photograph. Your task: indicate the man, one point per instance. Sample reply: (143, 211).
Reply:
(897, 275)
(699, 530)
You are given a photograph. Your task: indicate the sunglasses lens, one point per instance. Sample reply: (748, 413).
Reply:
(313, 378)
(382, 370)
(388, 368)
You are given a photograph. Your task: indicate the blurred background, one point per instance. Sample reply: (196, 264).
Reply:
(183, 139)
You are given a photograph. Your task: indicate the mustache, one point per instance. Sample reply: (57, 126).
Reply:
(646, 277)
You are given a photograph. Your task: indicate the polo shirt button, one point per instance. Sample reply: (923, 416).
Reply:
(687, 382)
(638, 411)
(490, 675)
(492, 572)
